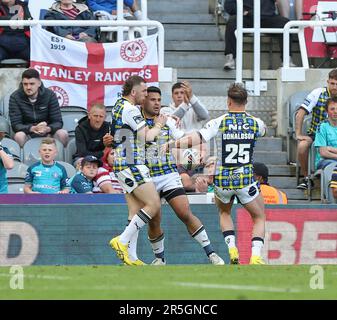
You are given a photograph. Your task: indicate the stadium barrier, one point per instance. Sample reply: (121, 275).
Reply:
(289, 74)
(76, 231)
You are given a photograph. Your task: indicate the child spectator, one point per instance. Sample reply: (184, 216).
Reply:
(106, 181)
(82, 182)
(46, 176)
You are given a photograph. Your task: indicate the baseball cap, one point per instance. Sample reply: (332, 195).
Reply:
(260, 169)
(91, 159)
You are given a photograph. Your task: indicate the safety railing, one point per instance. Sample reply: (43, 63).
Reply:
(301, 25)
(257, 31)
(296, 27)
(120, 17)
(165, 74)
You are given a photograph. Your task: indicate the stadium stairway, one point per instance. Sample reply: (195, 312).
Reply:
(194, 46)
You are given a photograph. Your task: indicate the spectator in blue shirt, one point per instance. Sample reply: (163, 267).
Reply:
(46, 176)
(82, 182)
(326, 136)
(108, 8)
(6, 162)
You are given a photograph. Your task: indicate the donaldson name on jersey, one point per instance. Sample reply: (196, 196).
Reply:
(235, 135)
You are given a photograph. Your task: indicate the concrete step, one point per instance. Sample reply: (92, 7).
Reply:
(216, 73)
(281, 170)
(182, 18)
(269, 144)
(295, 194)
(219, 87)
(194, 59)
(276, 157)
(195, 32)
(283, 182)
(185, 59)
(196, 45)
(174, 6)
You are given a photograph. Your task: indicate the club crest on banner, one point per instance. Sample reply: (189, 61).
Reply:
(133, 51)
(61, 94)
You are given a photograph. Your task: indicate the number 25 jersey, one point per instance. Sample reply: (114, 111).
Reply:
(235, 135)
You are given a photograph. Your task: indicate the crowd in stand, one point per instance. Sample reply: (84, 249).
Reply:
(34, 110)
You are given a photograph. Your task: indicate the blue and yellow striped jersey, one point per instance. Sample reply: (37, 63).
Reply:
(162, 164)
(315, 102)
(127, 120)
(235, 135)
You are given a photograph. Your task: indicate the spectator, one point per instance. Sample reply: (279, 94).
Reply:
(314, 103)
(326, 136)
(284, 8)
(46, 176)
(270, 194)
(92, 134)
(82, 182)
(6, 161)
(105, 180)
(69, 10)
(34, 110)
(187, 107)
(108, 8)
(14, 41)
(269, 19)
(333, 183)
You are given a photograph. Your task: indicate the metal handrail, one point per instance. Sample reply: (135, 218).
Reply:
(257, 30)
(301, 25)
(96, 23)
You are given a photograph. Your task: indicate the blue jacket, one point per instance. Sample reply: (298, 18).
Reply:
(55, 13)
(106, 5)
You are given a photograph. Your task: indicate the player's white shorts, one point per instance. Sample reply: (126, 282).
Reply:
(168, 182)
(245, 195)
(133, 177)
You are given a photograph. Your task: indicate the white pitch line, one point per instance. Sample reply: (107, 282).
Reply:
(32, 276)
(235, 287)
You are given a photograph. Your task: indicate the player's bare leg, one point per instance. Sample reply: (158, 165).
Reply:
(148, 195)
(181, 207)
(256, 211)
(227, 228)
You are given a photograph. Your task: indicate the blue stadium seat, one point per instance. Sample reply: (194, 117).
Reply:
(69, 151)
(5, 125)
(13, 147)
(71, 171)
(18, 172)
(15, 187)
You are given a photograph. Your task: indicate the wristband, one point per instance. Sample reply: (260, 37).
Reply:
(158, 125)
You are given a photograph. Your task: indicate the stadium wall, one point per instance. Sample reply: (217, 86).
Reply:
(64, 232)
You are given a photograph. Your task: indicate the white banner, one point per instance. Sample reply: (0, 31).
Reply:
(85, 73)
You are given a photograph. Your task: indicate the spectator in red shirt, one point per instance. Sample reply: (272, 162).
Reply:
(70, 10)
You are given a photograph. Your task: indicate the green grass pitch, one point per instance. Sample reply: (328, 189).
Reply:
(171, 282)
